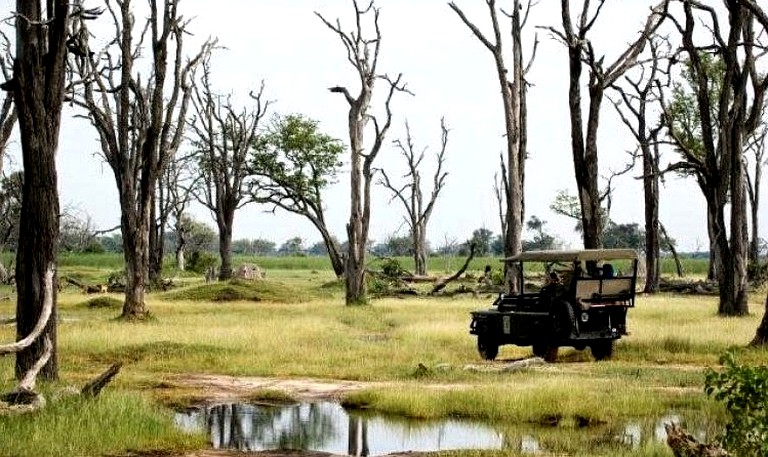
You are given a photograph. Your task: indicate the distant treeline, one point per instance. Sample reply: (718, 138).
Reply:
(437, 265)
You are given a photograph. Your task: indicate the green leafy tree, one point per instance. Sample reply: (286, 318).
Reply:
(293, 246)
(395, 246)
(684, 121)
(482, 238)
(729, 107)
(198, 237)
(318, 249)
(541, 240)
(292, 167)
(624, 236)
(263, 247)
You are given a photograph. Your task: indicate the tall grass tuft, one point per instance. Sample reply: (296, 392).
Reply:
(109, 424)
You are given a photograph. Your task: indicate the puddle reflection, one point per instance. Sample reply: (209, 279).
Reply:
(327, 427)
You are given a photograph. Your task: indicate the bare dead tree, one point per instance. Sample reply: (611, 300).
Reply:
(581, 52)
(633, 111)
(179, 180)
(363, 55)
(726, 119)
(38, 84)
(223, 138)
(140, 121)
(499, 186)
(8, 119)
(756, 147)
(8, 115)
(515, 115)
(760, 16)
(411, 195)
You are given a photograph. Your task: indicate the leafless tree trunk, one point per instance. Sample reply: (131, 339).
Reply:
(499, 186)
(584, 147)
(140, 120)
(363, 55)
(38, 90)
(411, 194)
(8, 119)
(157, 220)
(223, 139)
(179, 180)
(761, 335)
(723, 133)
(515, 115)
(757, 147)
(633, 110)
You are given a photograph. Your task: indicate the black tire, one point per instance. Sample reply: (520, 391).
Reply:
(487, 348)
(546, 351)
(602, 350)
(563, 320)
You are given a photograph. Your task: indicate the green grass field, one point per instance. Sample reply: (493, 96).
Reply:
(295, 325)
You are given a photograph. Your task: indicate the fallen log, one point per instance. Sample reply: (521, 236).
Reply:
(685, 445)
(510, 367)
(440, 285)
(93, 388)
(87, 288)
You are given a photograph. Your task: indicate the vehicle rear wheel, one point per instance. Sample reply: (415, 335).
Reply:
(546, 351)
(487, 348)
(602, 350)
(563, 320)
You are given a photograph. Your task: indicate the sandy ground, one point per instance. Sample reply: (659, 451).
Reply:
(221, 388)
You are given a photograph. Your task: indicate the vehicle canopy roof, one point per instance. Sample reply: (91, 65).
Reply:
(583, 255)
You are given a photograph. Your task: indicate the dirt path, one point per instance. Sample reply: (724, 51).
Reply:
(219, 387)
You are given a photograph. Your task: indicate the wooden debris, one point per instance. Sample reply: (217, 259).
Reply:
(685, 445)
(510, 367)
(93, 388)
(688, 287)
(440, 285)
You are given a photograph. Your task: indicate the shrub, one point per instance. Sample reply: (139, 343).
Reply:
(94, 247)
(104, 302)
(200, 261)
(392, 268)
(744, 390)
(757, 272)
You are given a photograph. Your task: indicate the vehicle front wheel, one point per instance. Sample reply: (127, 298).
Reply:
(487, 348)
(602, 350)
(546, 351)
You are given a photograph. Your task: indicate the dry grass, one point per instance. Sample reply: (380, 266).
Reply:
(656, 369)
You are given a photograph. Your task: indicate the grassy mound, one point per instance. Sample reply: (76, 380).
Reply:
(239, 290)
(103, 302)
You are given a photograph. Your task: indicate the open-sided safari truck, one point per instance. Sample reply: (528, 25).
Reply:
(583, 303)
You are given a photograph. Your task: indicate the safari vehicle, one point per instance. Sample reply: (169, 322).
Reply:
(583, 304)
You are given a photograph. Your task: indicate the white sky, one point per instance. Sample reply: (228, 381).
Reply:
(451, 74)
